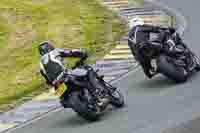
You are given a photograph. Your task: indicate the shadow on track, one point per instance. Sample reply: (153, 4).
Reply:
(156, 84)
(159, 83)
(72, 121)
(76, 121)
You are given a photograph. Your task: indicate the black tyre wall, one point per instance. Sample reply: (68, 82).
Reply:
(170, 70)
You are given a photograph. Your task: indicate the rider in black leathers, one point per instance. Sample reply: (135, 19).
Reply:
(52, 65)
(139, 32)
(52, 61)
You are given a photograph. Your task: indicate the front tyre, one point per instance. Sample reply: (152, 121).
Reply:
(197, 61)
(82, 108)
(117, 99)
(170, 70)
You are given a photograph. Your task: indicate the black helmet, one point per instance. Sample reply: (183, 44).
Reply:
(45, 47)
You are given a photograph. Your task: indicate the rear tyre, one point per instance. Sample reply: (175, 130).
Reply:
(81, 107)
(170, 70)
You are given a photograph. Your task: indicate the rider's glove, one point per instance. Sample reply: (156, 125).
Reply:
(172, 30)
(84, 55)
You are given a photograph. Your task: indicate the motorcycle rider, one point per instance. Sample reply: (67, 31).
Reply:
(52, 63)
(140, 32)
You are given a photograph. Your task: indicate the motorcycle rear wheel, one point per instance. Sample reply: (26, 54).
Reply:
(82, 109)
(170, 70)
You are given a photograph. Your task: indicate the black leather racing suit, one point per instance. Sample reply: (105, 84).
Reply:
(148, 33)
(52, 63)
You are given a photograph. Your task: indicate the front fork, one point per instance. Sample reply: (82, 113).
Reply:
(100, 85)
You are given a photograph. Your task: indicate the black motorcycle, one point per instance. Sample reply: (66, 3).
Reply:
(175, 66)
(74, 89)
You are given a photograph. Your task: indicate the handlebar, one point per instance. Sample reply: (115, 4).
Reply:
(80, 62)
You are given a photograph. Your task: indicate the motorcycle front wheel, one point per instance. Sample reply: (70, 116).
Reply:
(197, 61)
(117, 99)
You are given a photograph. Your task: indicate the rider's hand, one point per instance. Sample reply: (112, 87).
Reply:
(172, 30)
(85, 56)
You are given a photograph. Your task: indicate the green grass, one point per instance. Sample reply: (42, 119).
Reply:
(24, 24)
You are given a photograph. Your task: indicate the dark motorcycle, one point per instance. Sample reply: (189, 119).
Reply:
(174, 66)
(75, 88)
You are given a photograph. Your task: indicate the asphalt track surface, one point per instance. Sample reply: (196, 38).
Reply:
(153, 106)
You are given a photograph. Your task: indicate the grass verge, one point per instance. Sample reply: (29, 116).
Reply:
(24, 24)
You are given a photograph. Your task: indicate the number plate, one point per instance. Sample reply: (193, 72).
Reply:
(61, 90)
